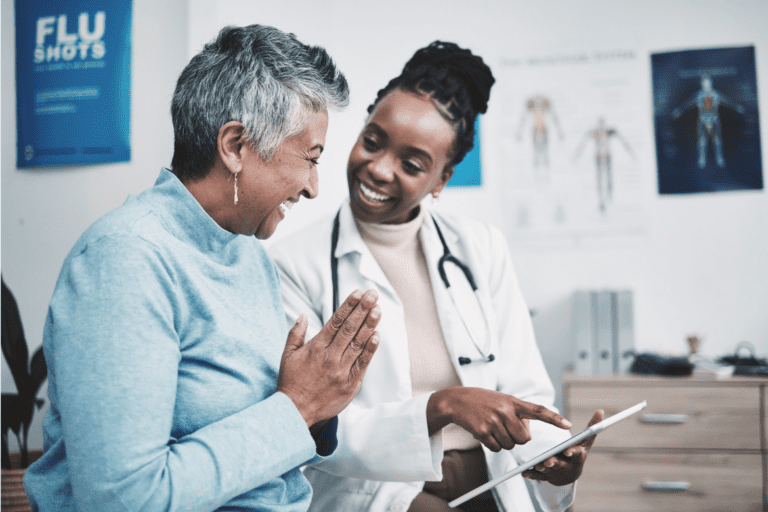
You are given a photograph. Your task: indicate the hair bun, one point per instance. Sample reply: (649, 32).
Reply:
(441, 58)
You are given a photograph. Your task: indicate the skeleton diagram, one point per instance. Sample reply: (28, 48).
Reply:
(539, 108)
(707, 101)
(602, 134)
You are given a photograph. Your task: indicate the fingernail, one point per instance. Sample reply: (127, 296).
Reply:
(567, 423)
(298, 320)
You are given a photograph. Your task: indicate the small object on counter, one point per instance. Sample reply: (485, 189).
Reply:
(656, 364)
(749, 365)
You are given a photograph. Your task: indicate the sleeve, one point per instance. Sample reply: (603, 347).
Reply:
(522, 372)
(386, 441)
(113, 348)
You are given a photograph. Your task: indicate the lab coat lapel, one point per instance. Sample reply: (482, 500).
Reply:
(358, 269)
(351, 242)
(455, 334)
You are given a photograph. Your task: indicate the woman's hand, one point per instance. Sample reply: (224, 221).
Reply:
(495, 419)
(565, 468)
(322, 376)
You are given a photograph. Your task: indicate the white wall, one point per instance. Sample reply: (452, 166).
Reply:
(702, 268)
(45, 210)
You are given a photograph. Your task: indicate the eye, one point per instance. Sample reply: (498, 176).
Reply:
(370, 143)
(412, 167)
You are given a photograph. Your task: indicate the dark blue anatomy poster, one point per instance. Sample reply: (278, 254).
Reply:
(73, 78)
(706, 120)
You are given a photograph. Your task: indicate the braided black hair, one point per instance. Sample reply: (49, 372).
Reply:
(455, 78)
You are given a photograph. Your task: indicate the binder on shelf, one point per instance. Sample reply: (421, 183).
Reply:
(582, 330)
(604, 331)
(624, 349)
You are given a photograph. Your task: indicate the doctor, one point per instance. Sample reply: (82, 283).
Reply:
(448, 400)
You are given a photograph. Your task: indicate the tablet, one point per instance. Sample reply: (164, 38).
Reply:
(594, 429)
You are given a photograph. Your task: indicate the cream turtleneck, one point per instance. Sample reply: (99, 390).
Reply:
(399, 252)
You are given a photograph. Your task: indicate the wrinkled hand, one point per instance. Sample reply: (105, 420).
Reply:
(495, 419)
(565, 468)
(322, 376)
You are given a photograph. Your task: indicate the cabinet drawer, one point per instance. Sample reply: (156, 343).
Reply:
(716, 417)
(633, 482)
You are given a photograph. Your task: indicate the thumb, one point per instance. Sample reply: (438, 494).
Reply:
(597, 417)
(296, 336)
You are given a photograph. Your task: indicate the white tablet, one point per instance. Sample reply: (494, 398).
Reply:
(594, 429)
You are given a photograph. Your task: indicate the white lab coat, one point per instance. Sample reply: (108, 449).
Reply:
(385, 453)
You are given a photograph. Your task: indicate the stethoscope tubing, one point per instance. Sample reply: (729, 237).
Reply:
(447, 256)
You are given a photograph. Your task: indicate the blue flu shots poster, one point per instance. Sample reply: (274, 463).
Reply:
(73, 78)
(706, 120)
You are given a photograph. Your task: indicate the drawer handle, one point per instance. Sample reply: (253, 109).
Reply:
(664, 418)
(666, 486)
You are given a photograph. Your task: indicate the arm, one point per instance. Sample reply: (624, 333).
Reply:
(114, 351)
(730, 104)
(677, 112)
(582, 144)
(116, 355)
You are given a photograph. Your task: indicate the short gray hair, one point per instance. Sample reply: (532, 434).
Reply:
(257, 75)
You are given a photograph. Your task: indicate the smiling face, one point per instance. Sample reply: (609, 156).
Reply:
(401, 155)
(267, 190)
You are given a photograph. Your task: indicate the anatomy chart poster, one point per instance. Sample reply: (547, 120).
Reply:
(706, 120)
(572, 138)
(73, 77)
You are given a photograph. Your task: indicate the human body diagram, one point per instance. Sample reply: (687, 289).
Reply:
(602, 135)
(539, 108)
(707, 102)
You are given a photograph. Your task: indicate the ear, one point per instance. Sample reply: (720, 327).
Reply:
(444, 178)
(230, 141)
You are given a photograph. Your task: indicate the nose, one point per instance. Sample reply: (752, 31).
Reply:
(382, 168)
(312, 188)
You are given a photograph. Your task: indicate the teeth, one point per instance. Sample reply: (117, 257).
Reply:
(285, 206)
(371, 195)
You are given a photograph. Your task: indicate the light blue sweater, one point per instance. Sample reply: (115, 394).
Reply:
(163, 342)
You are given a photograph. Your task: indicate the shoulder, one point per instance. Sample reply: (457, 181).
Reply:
(470, 233)
(127, 240)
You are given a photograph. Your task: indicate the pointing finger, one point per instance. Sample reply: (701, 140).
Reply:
(541, 413)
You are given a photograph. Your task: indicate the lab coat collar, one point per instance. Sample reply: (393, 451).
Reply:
(351, 243)
(350, 240)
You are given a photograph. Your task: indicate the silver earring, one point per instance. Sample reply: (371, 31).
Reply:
(235, 188)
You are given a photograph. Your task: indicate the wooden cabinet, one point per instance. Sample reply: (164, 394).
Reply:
(700, 445)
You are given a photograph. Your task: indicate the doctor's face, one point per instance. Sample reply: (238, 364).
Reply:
(401, 155)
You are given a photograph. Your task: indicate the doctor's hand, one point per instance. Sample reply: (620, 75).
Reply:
(495, 419)
(565, 468)
(322, 376)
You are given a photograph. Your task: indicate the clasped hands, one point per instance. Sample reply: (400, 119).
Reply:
(501, 421)
(323, 375)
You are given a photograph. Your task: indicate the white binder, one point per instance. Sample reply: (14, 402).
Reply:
(604, 331)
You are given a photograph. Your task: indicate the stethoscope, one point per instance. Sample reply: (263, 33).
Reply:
(446, 257)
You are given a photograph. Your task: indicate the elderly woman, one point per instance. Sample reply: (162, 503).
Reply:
(172, 386)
